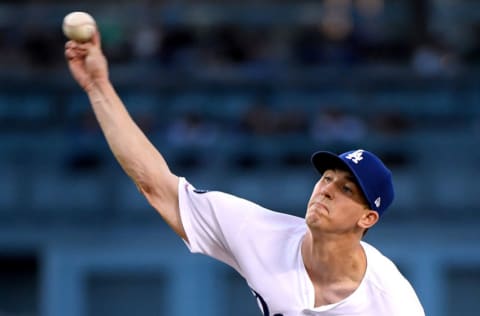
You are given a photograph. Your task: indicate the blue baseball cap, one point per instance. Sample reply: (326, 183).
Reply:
(373, 177)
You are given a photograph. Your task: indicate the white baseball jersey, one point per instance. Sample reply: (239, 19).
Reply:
(264, 247)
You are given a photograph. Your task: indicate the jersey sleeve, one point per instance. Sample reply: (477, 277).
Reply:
(228, 228)
(212, 221)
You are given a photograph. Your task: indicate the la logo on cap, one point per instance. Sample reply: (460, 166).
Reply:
(356, 156)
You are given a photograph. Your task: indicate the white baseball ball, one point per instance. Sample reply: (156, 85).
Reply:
(79, 26)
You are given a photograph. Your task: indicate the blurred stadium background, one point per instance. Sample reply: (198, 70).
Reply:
(237, 95)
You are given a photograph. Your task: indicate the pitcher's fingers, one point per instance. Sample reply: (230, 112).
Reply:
(70, 44)
(74, 44)
(70, 54)
(78, 46)
(76, 52)
(82, 48)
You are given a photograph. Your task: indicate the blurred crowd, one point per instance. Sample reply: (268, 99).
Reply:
(346, 33)
(194, 135)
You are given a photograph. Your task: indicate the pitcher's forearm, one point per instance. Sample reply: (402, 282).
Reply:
(135, 153)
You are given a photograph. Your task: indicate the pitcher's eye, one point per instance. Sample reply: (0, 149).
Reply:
(347, 190)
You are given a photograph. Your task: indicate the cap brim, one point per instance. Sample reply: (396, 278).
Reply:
(324, 160)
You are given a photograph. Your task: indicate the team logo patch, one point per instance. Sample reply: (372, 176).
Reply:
(356, 156)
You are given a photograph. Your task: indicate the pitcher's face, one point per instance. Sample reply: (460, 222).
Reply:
(337, 202)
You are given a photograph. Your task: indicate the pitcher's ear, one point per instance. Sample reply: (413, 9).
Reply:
(368, 219)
